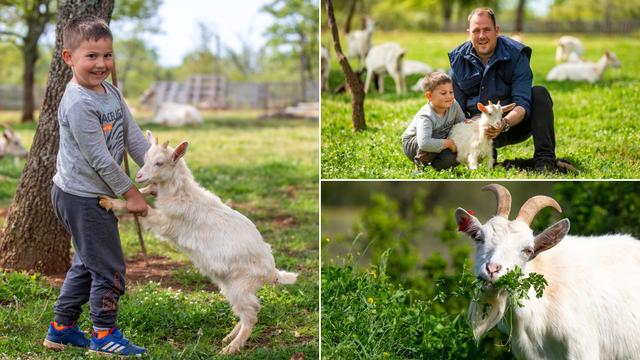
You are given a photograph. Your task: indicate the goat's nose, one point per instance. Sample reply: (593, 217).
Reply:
(493, 268)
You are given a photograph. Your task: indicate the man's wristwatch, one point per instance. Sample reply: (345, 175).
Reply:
(507, 125)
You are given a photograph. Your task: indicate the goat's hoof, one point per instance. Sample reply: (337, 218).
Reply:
(229, 350)
(105, 202)
(226, 339)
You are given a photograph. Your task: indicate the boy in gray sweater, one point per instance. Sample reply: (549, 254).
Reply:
(95, 129)
(425, 140)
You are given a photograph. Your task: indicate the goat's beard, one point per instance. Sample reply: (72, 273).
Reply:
(494, 314)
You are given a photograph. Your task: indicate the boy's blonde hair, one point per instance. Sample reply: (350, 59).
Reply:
(84, 28)
(435, 79)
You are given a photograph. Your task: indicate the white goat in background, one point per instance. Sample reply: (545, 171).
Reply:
(222, 243)
(325, 67)
(11, 144)
(410, 67)
(471, 141)
(171, 114)
(386, 59)
(359, 41)
(565, 46)
(585, 70)
(590, 305)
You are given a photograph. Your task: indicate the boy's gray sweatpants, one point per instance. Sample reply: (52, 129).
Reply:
(98, 269)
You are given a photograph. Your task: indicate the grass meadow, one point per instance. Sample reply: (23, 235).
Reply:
(596, 125)
(268, 170)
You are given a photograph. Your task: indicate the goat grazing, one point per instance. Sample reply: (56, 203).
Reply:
(410, 67)
(325, 67)
(170, 114)
(11, 144)
(565, 46)
(588, 309)
(584, 71)
(359, 42)
(386, 59)
(471, 141)
(221, 242)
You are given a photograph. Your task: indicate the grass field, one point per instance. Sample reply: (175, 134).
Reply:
(268, 169)
(596, 125)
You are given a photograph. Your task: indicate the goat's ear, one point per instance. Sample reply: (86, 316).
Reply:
(508, 107)
(180, 151)
(467, 223)
(152, 141)
(481, 107)
(551, 236)
(606, 52)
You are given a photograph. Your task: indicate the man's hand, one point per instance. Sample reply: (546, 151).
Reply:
(136, 203)
(493, 133)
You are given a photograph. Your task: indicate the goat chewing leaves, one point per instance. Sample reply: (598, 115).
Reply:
(516, 285)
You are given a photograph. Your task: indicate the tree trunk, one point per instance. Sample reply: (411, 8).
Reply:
(36, 23)
(520, 17)
(32, 238)
(352, 10)
(447, 8)
(303, 63)
(357, 90)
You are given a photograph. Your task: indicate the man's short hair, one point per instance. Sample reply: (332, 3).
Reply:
(84, 28)
(435, 79)
(483, 10)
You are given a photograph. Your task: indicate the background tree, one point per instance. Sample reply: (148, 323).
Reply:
(32, 237)
(520, 16)
(34, 15)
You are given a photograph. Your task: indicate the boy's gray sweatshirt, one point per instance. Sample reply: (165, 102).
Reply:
(95, 129)
(427, 121)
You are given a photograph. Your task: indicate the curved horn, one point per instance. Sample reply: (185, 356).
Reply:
(7, 127)
(504, 199)
(531, 208)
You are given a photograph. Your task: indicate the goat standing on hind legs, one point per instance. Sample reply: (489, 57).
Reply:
(222, 243)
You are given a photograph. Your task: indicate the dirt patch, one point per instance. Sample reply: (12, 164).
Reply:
(3, 213)
(159, 270)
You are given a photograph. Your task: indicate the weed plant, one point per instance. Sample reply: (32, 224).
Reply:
(596, 125)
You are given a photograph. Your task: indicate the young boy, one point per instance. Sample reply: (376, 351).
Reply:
(95, 128)
(425, 140)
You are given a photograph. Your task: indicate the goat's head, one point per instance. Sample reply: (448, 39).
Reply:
(494, 112)
(612, 59)
(161, 161)
(503, 244)
(13, 143)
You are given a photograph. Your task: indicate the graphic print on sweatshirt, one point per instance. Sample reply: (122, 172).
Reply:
(112, 126)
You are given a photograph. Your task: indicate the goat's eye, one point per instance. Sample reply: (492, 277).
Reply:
(159, 164)
(479, 239)
(528, 251)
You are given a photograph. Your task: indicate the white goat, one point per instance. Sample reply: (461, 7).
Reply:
(588, 309)
(221, 242)
(565, 46)
(325, 67)
(585, 70)
(359, 41)
(471, 141)
(518, 36)
(11, 144)
(410, 67)
(171, 114)
(386, 59)
(418, 86)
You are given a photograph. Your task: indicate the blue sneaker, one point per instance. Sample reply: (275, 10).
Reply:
(114, 343)
(58, 339)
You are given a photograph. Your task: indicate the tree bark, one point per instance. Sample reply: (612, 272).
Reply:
(32, 238)
(357, 89)
(303, 63)
(447, 8)
(520, 17)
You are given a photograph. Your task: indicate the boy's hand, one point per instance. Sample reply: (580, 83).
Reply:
(468, 121)
(136, 203)
(450, 144)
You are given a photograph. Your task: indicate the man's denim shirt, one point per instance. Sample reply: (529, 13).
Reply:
(507, 76)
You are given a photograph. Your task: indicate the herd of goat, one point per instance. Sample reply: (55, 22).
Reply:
(388, 59)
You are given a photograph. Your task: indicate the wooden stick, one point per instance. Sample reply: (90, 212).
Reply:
(125, 159)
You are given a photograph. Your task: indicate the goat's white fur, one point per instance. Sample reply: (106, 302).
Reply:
(586, 311)
(11, 144)
(584, 70)
(565, 46)
(222, 243)
(410, 67)
(386, 59)
(171, 114)
(325, 67)
(359, 42)
(472, 143)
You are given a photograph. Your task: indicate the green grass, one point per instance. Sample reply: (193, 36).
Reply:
(269, 171)
(596, 125)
